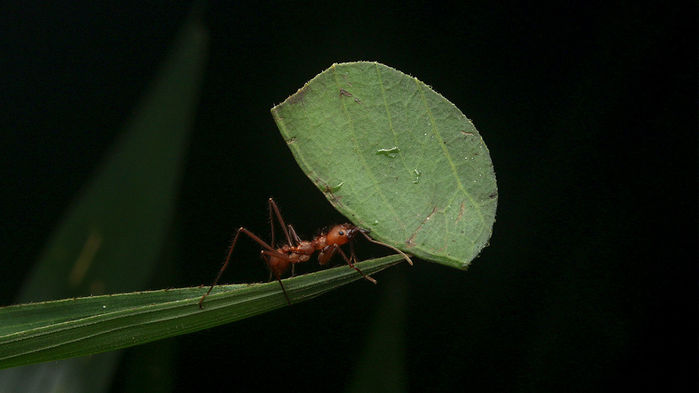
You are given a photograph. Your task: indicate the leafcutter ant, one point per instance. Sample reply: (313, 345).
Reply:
(295, 250)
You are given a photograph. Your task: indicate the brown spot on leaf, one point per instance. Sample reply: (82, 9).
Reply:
(297, 97)
(461, 212)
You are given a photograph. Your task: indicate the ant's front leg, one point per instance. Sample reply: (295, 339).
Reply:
(404, 255)
(351, 264)
(353, 256)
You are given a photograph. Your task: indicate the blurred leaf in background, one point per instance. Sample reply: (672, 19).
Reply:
(382, 366)
(112, 235)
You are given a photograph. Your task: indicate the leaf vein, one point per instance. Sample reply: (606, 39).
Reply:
(368, 169)
(390, 121)
(443, 146)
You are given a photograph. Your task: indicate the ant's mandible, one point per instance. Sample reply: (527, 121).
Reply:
(278, 260)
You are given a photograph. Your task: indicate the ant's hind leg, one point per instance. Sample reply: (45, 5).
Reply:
(274, 211)
(228, 258)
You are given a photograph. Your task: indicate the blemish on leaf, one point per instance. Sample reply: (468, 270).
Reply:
(327, 188)
(331, 190)
(467, 133)
(357, 100)
(344, 76)
(299, 95)
(410, 242)
(389, 152)
(417, 175)
(461, 212)
(291, 140)
(345, 93)
(337, 187)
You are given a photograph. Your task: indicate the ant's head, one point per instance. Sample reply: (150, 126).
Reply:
(342, 234)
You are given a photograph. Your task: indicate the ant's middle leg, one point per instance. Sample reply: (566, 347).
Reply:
(297, 239)
(277, 267)
(228, 257)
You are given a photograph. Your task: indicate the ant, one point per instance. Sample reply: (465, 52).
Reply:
(296, 250)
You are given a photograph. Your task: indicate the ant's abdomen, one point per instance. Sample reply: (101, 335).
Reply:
(277, 266)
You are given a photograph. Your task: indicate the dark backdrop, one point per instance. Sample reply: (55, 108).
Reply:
(589, 112)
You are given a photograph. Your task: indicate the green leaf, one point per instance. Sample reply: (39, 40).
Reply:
(39, 332)
(395, 157)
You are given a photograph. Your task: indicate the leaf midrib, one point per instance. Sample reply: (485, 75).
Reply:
(370, 172)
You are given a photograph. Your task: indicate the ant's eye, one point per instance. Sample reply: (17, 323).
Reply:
(341, 233)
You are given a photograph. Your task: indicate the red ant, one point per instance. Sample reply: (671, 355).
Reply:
(296, 250)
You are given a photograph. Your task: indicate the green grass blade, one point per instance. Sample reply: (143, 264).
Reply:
(395, 157)
(39, 332)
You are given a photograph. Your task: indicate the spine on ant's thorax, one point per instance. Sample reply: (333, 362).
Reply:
(319, 242)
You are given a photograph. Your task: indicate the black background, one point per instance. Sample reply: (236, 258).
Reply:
(589, 112)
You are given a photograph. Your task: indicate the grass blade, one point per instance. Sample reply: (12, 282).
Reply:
(39, 332)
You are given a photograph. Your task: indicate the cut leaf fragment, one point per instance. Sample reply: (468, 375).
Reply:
(412, 168)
